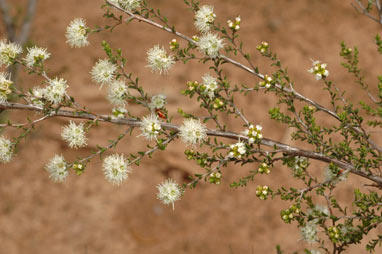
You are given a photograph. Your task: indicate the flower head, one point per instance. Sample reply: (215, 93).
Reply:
(158, 60)
(234, 25)
(253, 133)
(158, 101)
(169, 192)
(192, 131)
(103, 72)
(209, 85)
(36, 56)
(129, 5)
(319, 70)
(6, 150)
(57, 168)
(77, 33)
(37, 96)
(74, 134)
(56, 90)
(116, 168)
(204, 18)
(309, 232)
(150, 127)
(210, 44)
(5, 87)
(117, 93)
(237, 150)
(8, 52)
(119, 112)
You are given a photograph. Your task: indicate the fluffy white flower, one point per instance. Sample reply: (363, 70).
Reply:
(210, 85)
(8, 52)
(77, 33)
(117, 93)
(38, 95)
(74, 135)
(57, 168)
(237, 150)
(253, 133)
(334, 177)
(210, 44)
(309, 232)
(158, 101)
(169, 192)
(129, 5)
(36, 55)
(319, 70)
(192, 131)
(103, 72)
(119, 112)
(150, 127)
(6, 150)
(56, 90)
(204, 17)
(158, 60)
(5, 87)
(116, 168)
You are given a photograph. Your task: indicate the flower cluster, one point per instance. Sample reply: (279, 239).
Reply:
(150, 127)
(6, 150)
(319, 70)
(116, 168)
(36, 56)
(334, 234)
(262, 192)
(56, 90)
(74, 135)
(169, 192)
(267, 82)
(234, 25)
(192, 131)
(289, 214)
(174, 45)
(117, 93)
(237, 150)
(209, 85)
(37, 96)
(264, 168)
(57, 168)
(119, 112)
(210, 44)
(157, 101)
(103, 72)
(158, 60)
(204, 18)
(5, 87)
(309, 232)
(215, 178)
(8, 52)
(253, 133)
(263, 47)
(77, 33)
(334, 174)
(129, 5)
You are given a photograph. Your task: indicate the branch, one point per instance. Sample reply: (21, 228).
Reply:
(27, 22)
(286, 149)
(7, 19)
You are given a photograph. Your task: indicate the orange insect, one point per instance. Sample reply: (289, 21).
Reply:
(160, 113)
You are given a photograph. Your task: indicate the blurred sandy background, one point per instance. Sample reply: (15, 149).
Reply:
(87, 215)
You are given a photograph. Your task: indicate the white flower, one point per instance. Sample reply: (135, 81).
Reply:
(169, 192)
(35, 56)
(334, 177)
(117, 93)
(315, 252)
(9, 52)
(5, 87)
(323, 210)
(158, 60)
(150, 127)
(158, 101)
(237, 150)
(56, 90)
(210, 44)
(204, 17)
(319, 70)
(6, 150)
(116, 168)
(77, 33)
(192, 131)
(309, 232)
(103, 72)
(129, 5)
(119, 112)
(57, 167)
(74, 135)
(210, 85)
(253, 133)
(37, 96)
